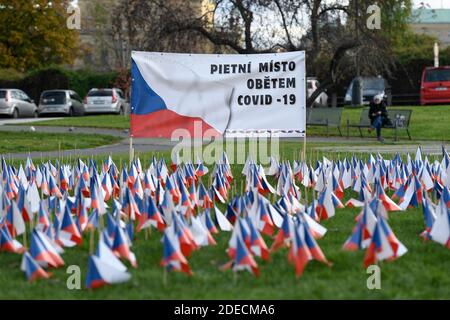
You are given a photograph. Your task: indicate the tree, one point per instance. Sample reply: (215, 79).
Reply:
(34, 34)
(141, 25)
(333, 33)
(341, 43)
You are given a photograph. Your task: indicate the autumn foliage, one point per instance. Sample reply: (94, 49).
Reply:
(34, 34)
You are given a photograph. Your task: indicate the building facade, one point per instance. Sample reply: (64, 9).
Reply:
(432, 22)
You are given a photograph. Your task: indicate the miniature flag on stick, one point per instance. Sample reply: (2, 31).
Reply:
(101, 272)
(32, 269)
(173, 259)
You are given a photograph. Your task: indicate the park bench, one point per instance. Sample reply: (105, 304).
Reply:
(326, 117)
(400, 120)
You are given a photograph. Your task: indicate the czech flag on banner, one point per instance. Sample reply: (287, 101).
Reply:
(168, 95)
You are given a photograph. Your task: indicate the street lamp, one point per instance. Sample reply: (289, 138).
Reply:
(436, 54)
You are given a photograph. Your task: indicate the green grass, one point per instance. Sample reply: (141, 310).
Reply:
(438, 117)
(427, 123)
(420, 274)
(13, 142)
(93, 121)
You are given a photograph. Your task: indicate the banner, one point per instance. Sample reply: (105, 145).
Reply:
(231, 94)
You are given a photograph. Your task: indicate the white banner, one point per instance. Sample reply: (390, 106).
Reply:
(235, 95)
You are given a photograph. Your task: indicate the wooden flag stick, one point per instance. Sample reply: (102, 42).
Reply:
(25, 235)
(165, 276)
(306, 196)
(32, 222)
(91, 241)
(304, 147)
(59, 151)
(100, 222)
(210, 180)
(131, 149)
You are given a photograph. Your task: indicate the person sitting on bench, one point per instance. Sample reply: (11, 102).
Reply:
(378, 115)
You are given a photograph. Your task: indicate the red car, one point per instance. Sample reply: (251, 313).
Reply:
(435, 86)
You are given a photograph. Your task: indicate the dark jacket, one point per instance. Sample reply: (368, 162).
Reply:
(375, 108)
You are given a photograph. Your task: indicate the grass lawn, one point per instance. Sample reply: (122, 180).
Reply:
(422, 118)
(427, 123)
(420, 274)
(13, 142)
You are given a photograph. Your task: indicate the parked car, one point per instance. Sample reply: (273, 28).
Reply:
(435, 86)
(66, 102)
(16, 103)
(311, 85)
(372, 86)
(105, 101)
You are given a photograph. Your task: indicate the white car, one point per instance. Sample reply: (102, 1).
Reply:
(322, 99)
(105, 101)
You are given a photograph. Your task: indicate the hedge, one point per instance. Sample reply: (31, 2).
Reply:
(49, 78)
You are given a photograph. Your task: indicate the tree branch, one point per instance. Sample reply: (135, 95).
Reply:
(331, 79)
(247, 16)
(283, 19)
(214, 37)
(333, 8)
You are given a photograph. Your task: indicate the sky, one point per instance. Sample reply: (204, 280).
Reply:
(435, 4)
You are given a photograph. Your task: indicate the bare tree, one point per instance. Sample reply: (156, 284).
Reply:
(333, 33)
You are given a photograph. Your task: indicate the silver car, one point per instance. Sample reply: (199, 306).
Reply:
(105, 101)
(16, 103)
(66, 102)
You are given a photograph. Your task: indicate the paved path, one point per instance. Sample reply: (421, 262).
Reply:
(4, 121)
(352, 145)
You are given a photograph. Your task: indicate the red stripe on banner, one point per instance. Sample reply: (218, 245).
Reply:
(162, 123)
